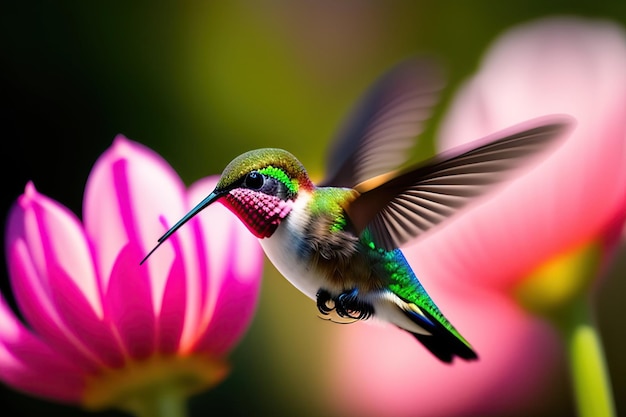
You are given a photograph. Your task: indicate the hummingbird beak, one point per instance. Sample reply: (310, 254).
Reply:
(201, 206)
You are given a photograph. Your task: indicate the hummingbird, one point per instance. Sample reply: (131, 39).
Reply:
(339, 241)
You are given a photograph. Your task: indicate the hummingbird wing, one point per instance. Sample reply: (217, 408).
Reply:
(383, 125)
(397, 207)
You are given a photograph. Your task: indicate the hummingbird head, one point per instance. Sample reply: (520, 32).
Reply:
(260, 187)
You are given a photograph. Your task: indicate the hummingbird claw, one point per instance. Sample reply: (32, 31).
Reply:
(347, 304)
(325, 302)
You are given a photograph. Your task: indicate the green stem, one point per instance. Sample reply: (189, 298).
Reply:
(159, 402)
(591, 382)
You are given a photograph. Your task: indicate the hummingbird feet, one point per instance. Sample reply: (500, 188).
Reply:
(347, 305)
(325, 302)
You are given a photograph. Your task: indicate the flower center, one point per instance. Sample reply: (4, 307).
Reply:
(561, 279)
(137, 384)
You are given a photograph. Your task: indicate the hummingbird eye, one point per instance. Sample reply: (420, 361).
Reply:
(254, 180)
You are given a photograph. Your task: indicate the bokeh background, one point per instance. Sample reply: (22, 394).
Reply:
(201, 82)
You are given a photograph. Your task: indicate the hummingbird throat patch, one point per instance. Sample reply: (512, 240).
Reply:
(260, 212)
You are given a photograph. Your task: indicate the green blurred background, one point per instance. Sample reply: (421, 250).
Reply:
(201, 82)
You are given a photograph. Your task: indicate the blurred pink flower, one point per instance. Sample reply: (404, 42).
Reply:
(570, 203)
(100, 325)
(561, 65)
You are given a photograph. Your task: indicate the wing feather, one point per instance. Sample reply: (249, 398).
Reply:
(417, 199)
(383, 126)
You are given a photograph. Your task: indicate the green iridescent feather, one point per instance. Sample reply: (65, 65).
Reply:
(280, 175)
(404, 282)
(328, 201)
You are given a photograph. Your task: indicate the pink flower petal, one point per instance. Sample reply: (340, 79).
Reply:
(129, 305)
(174, 306)
(55, 239)
(39, 311)
(36, 381)
(30, 365)
(540, 68)
(93, 332)
(32, 293)
(56, 291)
(130, 190)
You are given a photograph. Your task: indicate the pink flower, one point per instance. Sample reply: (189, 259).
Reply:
(533, 245)
(101, 327)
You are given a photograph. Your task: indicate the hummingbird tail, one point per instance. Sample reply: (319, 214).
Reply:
(442, 342)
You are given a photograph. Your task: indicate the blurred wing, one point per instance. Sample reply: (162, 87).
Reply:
(383, 126)
(414, 201)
